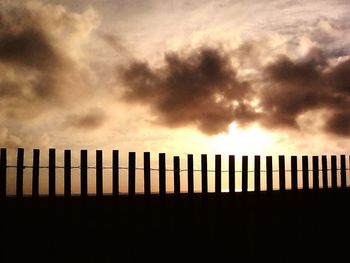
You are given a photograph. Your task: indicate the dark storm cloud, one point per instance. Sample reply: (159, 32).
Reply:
(293, 88)
(90, 120)
(339, 123)
(198, 89)
(27, 46)
(339, 78)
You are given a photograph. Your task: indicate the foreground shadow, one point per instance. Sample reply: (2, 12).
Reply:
(277, 226)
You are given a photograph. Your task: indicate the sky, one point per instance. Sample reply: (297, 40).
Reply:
(218, 77)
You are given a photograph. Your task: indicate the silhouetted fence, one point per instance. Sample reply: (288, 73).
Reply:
(162, 170)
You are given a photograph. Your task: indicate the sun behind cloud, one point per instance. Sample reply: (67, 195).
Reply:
(251, 141)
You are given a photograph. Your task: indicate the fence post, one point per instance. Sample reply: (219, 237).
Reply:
(204, 168)
(324, 172)
(334, 171)
(20, 168)
(162, 172)
(342, 172)
(99, 173)
(52, 173)
(315, 173)
(257, 173)
(147, 173)
(231, 174)
(67, 173)
(217, 174)
(115, 172)
(269, 179)
(35, 175)
(282, 173)
(177, 175)
(305, 164)
(244, 174)
(83, 173)
(132, 168)
(3, 171)
(294, 172)
(190, 184)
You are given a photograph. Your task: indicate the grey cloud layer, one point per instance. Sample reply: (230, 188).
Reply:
(28, 51)
(200, 88)
(39, 71)
(92, 119)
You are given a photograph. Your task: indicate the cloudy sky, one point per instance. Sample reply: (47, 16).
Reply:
(240, 77)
